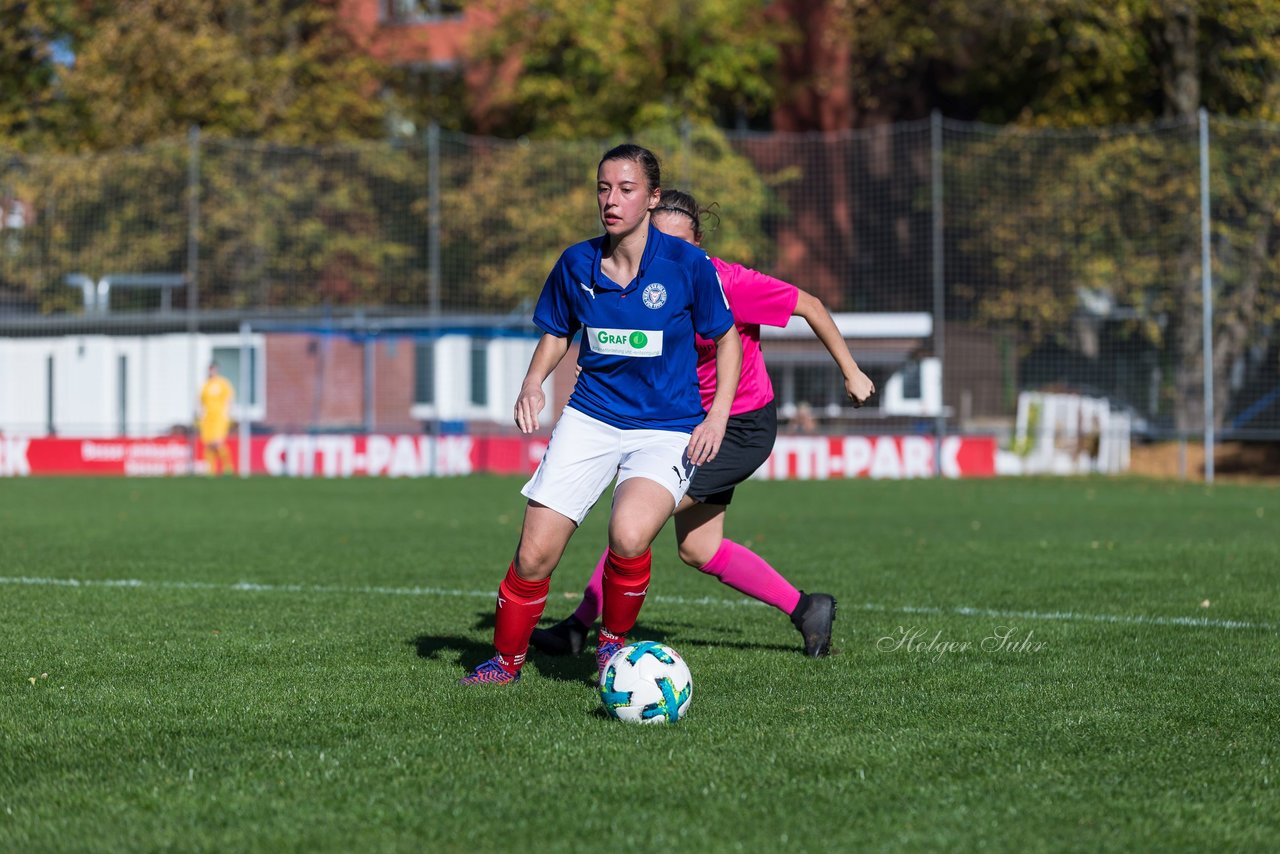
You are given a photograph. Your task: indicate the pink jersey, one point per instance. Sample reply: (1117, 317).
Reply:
(756, 300)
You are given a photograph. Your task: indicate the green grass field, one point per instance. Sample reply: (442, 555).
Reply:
(272, 665)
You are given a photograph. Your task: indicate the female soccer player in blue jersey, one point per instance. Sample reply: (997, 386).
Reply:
(755, 299)
(639, 298)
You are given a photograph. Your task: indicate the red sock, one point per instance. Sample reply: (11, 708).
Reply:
(520, 606)
(625, 582)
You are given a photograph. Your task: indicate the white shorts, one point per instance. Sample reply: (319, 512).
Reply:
(584, 454)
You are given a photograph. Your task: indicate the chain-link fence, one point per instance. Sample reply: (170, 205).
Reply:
(388, 285)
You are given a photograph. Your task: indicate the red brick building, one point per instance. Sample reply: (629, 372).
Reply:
(405, 32)
(429, 36)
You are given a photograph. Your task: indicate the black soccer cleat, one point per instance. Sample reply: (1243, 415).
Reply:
(813, 618)
(567, 637)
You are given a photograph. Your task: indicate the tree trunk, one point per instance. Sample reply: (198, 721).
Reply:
(1173, 34)
(1236, 318)
(1180, 63)
(814, 245)
(1188, 345)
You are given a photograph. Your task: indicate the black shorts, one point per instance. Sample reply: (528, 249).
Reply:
(748, 441)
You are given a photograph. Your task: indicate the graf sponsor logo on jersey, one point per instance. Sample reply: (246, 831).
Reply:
(655, 295)
(638, 343)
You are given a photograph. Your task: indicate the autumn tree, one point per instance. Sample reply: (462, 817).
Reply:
(279, 225)
(1120, 214)
(576, 78)
(31, 35)
(574, 69)
(547, 204)
(1041, 218)
(278, 70)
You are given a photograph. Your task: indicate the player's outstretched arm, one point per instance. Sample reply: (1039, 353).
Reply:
(548, 353)
(704, 444)
(857, 385)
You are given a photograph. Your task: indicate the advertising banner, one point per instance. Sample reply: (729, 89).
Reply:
(405, 455)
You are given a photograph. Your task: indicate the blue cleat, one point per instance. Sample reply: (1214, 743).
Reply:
(490, 672)
(605, 650)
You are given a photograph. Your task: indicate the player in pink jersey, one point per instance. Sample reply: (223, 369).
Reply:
(756, 300)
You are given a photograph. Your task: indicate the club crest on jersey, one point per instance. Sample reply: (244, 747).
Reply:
(654, 296)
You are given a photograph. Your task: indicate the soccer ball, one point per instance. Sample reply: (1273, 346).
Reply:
(646, 682)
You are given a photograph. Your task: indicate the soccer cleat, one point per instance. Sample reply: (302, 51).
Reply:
(813, 620)
(567, 637)
(605, 649)
(491, 673)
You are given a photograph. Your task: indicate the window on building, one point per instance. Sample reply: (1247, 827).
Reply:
(911, 385)
(424, 373)
(819, 385)
(419, 11)
(228, 361)
(480, 372)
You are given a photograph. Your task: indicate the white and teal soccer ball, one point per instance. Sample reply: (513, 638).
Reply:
(646, 682)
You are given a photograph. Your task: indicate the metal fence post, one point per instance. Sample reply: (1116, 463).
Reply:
(1206, 293)
(245, 399)
(433, 219)
(939, 287)
(193, 268)
(368, 353)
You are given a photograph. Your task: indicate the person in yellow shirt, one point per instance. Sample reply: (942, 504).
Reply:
(216, 396)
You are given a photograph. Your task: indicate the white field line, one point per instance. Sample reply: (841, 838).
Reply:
(991, 613)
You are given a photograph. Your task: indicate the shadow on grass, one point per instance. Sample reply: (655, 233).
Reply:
(437, 648)
(720, 643)
(470, 653)
(577, 668)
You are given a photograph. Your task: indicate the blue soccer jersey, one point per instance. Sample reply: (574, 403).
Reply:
(637, 353)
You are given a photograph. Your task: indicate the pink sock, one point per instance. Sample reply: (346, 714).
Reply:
(747, 572)
(589, 611)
